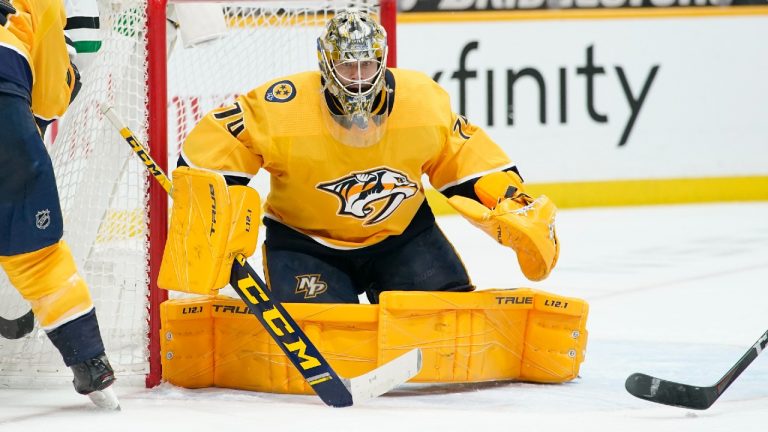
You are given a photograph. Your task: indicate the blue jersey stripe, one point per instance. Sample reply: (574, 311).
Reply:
(15, 73)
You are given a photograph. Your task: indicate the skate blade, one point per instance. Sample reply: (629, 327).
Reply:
(105, 399)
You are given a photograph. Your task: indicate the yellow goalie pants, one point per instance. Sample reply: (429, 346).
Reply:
(521, 334)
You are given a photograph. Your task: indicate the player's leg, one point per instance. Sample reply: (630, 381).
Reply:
(38, 263)
(426, 263)
(298, 277)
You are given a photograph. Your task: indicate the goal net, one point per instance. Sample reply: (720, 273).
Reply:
(113, 220)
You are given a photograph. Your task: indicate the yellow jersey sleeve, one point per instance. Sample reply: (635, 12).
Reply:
(467, 153)
(36, 32)
(228, 140)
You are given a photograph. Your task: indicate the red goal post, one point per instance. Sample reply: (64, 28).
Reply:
(115, 216)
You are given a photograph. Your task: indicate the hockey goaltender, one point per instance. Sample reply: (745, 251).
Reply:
(346, 147)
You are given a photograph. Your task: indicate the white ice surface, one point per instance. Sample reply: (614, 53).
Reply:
(677, 292)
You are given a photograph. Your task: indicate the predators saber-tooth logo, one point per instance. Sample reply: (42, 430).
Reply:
(358, 191)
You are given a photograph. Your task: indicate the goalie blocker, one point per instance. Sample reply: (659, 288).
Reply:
(210, 224)
(491, 335)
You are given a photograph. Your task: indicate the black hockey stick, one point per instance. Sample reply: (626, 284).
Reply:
(333, 390)
(18, 327)
(688, 396)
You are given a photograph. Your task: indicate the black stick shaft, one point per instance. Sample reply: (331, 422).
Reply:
(742, 364)
(688, 396)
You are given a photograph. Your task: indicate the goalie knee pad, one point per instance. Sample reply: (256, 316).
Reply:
(210, 224)
(49, 280)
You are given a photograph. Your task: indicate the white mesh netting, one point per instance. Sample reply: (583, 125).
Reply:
(102, 184)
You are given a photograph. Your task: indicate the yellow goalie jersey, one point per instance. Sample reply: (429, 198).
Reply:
(33, 56)
(343, 197)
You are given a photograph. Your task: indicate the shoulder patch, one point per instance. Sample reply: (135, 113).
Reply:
(281, 91)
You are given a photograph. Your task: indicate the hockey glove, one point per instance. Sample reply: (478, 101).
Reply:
(73, 81)
(6, 8)
(515, 220)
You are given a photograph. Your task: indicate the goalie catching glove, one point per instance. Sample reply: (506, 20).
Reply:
(210, 224)
(515, 220)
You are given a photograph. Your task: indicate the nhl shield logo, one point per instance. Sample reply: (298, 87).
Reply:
(43, 219)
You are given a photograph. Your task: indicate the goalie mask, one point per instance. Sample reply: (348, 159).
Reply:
(352, 51)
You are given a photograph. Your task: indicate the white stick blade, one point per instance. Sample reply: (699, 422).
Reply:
(385, 377)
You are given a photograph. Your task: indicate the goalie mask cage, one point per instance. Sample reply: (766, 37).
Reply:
(115, 215)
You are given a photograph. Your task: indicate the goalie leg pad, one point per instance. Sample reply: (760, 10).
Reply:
(211, 341)
(519, 334)
(514, 220)
(49, 280)
(491, 335)
(210, 224)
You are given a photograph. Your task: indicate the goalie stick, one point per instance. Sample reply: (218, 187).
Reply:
(18, 327)
(328, 385)
(688, 396)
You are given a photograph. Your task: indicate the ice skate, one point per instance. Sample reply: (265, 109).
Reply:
(94, 378)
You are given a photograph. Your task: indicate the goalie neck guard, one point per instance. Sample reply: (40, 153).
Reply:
(351, 52)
